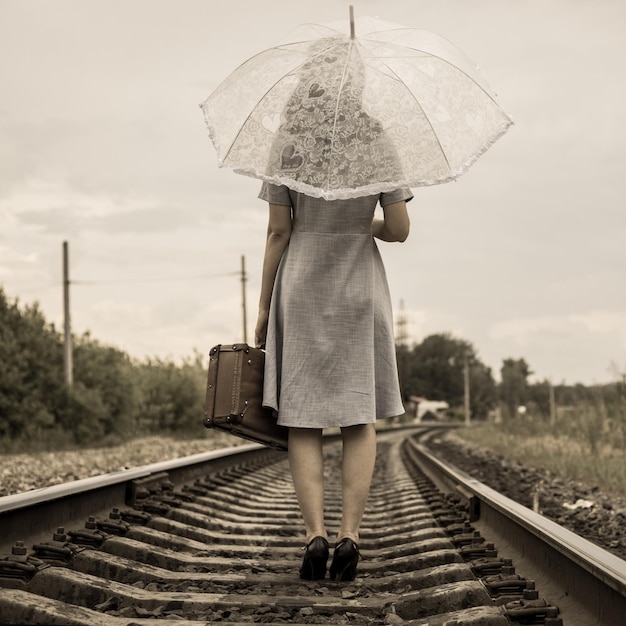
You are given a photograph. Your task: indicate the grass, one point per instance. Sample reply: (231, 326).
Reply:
(583, 446)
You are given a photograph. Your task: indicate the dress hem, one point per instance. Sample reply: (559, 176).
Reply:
(342, 424)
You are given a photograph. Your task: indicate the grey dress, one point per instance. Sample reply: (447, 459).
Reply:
(330, 352)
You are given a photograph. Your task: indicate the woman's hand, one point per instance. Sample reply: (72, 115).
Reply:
(260, 333)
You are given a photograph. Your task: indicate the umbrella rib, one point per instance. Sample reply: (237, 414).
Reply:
(434, 56)
(234, 141)
(409, 64)
(343, 81)
(443, 152)
(456, 67)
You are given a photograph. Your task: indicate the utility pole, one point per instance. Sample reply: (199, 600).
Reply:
(243, 298)
(466, 386)
(401, 330)
(552, 406)
(67, 344)
(402, 348)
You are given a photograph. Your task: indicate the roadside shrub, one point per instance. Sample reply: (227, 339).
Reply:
(113, 397)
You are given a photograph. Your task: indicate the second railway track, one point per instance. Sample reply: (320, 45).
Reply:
(217, 538)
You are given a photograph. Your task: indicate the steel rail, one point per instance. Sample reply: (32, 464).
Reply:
(233, 527)
(586, 582)
(32, 513)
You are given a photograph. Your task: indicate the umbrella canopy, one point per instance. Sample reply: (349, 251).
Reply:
(335, 114)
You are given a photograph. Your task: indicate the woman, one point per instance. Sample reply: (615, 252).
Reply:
(325, 318)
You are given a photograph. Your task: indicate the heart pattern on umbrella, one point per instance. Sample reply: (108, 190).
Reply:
(291, 158)
(337, 115)
(271, 122)
(315, 91)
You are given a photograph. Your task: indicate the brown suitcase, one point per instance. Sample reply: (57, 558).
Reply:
(234, 396)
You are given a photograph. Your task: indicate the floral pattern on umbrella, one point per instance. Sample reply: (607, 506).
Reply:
(336, 116)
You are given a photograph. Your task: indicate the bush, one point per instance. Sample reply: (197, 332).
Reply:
(112, 399)
(172, 397)
(31, 365)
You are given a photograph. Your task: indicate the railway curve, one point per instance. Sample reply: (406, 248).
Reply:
(216, 538)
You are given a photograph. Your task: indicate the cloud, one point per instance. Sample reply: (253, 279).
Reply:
(158, 330)
(103, 145)
(585, 345)
(612, 322)
(39, 196)
(11, 257)
(57, 208)
(525, 330)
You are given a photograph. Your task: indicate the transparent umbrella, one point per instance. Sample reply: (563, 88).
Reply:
(337, 114)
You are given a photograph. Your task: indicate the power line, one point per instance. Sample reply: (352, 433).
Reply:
(136, 281)
(68, 366)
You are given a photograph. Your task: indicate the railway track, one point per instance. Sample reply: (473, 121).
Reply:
(216, 537)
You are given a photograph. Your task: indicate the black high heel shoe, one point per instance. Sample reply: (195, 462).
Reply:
(345, 560)
(315, 559)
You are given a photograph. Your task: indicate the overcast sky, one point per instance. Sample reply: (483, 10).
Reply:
(102, 144)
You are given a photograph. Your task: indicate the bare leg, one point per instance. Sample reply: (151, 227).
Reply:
(306, 462)
(359, 455)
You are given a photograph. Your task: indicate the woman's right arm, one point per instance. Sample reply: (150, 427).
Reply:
(396, 224)
(278, 235)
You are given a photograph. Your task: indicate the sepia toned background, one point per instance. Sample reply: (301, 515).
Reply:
(103, 145)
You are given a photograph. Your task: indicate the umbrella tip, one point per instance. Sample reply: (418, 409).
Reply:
(352, 33)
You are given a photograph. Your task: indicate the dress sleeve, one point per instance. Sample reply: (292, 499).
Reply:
(398, 195)
(275, 194)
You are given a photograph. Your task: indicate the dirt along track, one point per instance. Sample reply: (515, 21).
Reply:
(227, 548)
(582, 508)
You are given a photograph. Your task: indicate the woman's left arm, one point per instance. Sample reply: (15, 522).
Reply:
(396, 224)
(278, 235)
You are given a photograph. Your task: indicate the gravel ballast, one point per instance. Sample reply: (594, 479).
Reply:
(581, 508)
(23, 472)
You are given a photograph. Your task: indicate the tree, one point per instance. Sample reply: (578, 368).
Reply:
(483, 391)
(112, 396)
(514, 385)
(435, 371)
(104, 398)
(172, 396)
(538, 399)
(31, 369)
